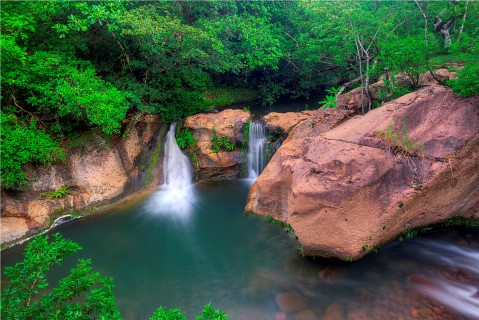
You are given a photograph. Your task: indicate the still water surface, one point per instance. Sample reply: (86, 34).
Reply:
(252, 270)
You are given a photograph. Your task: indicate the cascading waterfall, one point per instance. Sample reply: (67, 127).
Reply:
(176, 196)
(256, 149)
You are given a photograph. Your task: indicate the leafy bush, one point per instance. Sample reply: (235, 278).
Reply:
(23, 143)
(467, 82)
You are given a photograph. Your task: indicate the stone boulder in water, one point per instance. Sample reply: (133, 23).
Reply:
(223, 165)
(362, 183)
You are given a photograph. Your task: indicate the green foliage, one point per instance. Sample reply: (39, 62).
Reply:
(83, 294)
(400, 141)
(209, 313)
(467, 82)
(55, 194)
(220, 97)
(170, 314)
(220, 143)
(185, 139)
(23, 143)
(286, 226)
(408, 56)
(461, 221)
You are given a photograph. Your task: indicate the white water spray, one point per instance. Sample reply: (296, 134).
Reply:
(176, 195)
(256, 149)
(461, 297)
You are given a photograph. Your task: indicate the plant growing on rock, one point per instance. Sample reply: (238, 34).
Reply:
(400, 142)
(185, 139)
(55, 194)
(220, 143)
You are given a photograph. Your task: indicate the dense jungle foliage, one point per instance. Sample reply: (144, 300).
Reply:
(68, 66)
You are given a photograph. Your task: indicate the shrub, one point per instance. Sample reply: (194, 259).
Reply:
(23, 143)
(467, 82)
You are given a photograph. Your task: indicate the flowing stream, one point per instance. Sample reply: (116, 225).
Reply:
(256, 149)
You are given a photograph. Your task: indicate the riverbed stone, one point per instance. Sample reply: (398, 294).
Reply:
(307, 314)
(347, 190)
(290, 302)
(334, 312)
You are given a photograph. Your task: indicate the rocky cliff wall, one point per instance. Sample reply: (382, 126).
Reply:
(99, 171)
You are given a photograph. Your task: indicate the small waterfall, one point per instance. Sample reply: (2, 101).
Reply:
(176, 196)
(256, 149)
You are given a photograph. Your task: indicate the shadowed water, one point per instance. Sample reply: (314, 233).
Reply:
(244, 265)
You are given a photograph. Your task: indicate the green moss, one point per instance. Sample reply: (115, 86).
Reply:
(153, 160)
(286, 226)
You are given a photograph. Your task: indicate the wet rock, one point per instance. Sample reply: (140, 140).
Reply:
(356, 314)
(290, 302)
(307, 314)
(334, 312)
(281, 316)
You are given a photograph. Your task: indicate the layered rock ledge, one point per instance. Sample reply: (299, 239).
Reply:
(98, 172)
(349, 189)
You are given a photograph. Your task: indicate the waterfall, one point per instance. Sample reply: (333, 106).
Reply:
(256, 149)
(176, 196)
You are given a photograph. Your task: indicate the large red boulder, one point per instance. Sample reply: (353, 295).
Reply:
(359, 185)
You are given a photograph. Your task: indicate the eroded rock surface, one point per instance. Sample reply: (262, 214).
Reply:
(347, 190)
(98, 171)
(223, 165)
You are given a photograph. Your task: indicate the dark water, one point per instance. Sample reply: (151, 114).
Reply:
(249, 268)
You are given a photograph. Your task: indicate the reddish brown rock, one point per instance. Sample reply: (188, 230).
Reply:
(99, 172)
(346, 190)
(307, 314)
(286, 121)
(333, 312)
(290, 302)
(224, 165)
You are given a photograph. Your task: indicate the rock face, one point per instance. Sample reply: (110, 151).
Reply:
(350, 189)
(286, 121)
(224, 165)
(354, 100)
(98, 172)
